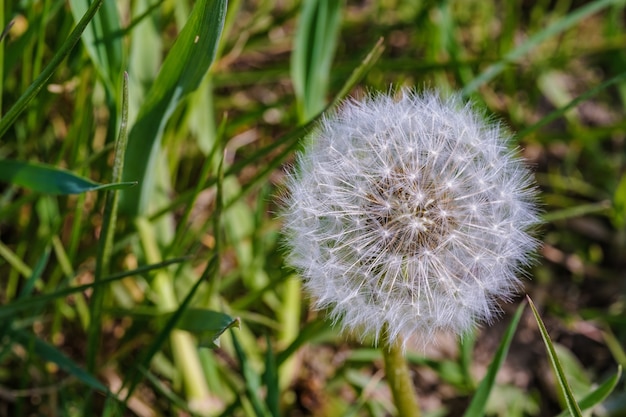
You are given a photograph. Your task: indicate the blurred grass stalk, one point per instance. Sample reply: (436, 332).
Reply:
(183, 344)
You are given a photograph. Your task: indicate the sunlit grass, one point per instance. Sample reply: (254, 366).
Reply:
(189, 307)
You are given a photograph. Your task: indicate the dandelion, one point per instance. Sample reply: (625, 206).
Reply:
(407, 216)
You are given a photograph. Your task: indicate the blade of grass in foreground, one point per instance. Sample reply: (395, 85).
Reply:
(479, 401)
(599, 394)
(572, 405)
(105, 243)
(290, 140)
(50, 180)
(186, 64)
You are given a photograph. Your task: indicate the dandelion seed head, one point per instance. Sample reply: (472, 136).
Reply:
(410, 214)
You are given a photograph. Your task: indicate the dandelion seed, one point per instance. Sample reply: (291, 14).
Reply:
(410, 215)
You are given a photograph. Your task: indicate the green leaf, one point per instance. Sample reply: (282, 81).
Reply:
(599, 394)
(186, 64)
(479, 401)
(50, 180)
(207, 325)
(570, 401)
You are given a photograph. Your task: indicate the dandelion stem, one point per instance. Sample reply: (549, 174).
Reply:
(399, 380)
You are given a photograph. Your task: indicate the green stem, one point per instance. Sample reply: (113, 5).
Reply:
(399, 379)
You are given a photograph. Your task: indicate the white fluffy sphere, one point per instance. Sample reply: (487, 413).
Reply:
(410, 212)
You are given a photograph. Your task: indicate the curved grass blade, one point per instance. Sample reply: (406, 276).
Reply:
(599, 394)
(290, 140)
(186, 64)
(50, 180)
(207, 325)
(557, 27)
(479, 401)
(32, 90)
(572, 405)
(313, 51)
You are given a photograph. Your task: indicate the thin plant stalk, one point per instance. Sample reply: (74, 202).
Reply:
(399, 379)
(183, 345)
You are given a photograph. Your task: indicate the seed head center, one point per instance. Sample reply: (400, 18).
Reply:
(408, 213)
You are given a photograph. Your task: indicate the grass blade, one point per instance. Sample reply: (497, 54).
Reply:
(103, 41)
(313, 51)
(7, 310)
(270, 378)
(570, 401)
(50, 180)
(185, 66)
(252, 380)
(564, 109)
(32, 90)
(479, 401)
(207, 325)
(105, 244)
(557, 27)
(599, 394)
(49, 353)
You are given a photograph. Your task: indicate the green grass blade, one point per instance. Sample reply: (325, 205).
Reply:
(251, 379)
(599, 394)
(133, 379)
(47, 352)
(32, 90)
(105, 244)
(479, 401)
(564, 109)
(103, 41)
(7, 310)
(27, 289)
(570, 401)
(554, 29)
(313, 51)
(185, 66)
(290, 141)
(206, 325)
(270, 379)
(50, 180)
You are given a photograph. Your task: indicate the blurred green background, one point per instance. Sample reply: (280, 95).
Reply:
(166, 293)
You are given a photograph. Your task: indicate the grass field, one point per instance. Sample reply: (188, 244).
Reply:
(143, 159)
